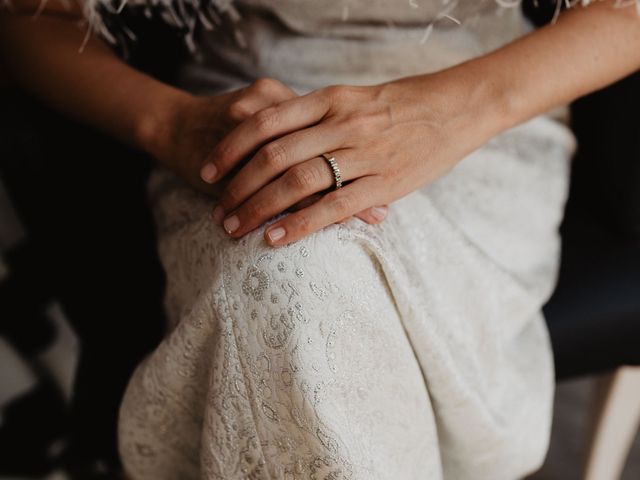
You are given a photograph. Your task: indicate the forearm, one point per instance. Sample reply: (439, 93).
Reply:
(94, 86)
(587, 49)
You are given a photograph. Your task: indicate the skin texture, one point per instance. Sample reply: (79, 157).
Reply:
(265, 142)
(199, 123)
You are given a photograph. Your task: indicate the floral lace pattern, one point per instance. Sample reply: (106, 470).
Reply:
(414, 349)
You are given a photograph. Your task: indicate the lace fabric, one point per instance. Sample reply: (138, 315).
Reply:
(413, 349)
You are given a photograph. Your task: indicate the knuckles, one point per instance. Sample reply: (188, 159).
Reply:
(270, 90)
(267, 86)
(355, 94)
(301, 178)
(266, 120)
(334, 92)
(358, 109)
(341, 93)
(341, 203)
(274, 156)
(238, 111)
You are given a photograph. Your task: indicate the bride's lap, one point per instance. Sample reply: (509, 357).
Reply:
(300, 362)
(289, 361)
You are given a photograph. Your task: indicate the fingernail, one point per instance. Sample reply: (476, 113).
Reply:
(275, 234)
(379, 213)
(208, 172)
(218, 214)
(231, 224)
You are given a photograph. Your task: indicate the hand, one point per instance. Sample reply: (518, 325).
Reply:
(196, 124)
(388, 140)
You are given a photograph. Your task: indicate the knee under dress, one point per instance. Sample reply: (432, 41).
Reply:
(413, 349)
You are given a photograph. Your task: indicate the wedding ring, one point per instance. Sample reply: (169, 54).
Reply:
(335, 169)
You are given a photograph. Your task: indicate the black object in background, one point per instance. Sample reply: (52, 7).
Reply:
(594, 314)
(91, 246)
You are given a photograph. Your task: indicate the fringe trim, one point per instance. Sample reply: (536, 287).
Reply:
(185, 16)
(188, 16)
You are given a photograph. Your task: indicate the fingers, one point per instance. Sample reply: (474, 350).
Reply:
(331, 208)
(373, 215)
(278, 156)
(261, 94)
(295, 185)
(305, 202)
(266, 124)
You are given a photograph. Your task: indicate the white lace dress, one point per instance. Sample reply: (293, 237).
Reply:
(414, 349)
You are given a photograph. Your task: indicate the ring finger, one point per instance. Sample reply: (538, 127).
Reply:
(296, 184)
(275, 158)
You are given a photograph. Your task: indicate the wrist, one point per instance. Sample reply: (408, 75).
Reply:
(466, 100)
(155, 124)
(486, 99)
(490, 95)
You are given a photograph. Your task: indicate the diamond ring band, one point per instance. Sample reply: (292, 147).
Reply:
(335, 169)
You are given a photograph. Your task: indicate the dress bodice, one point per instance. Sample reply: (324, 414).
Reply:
(309, 44)
(356, 15)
